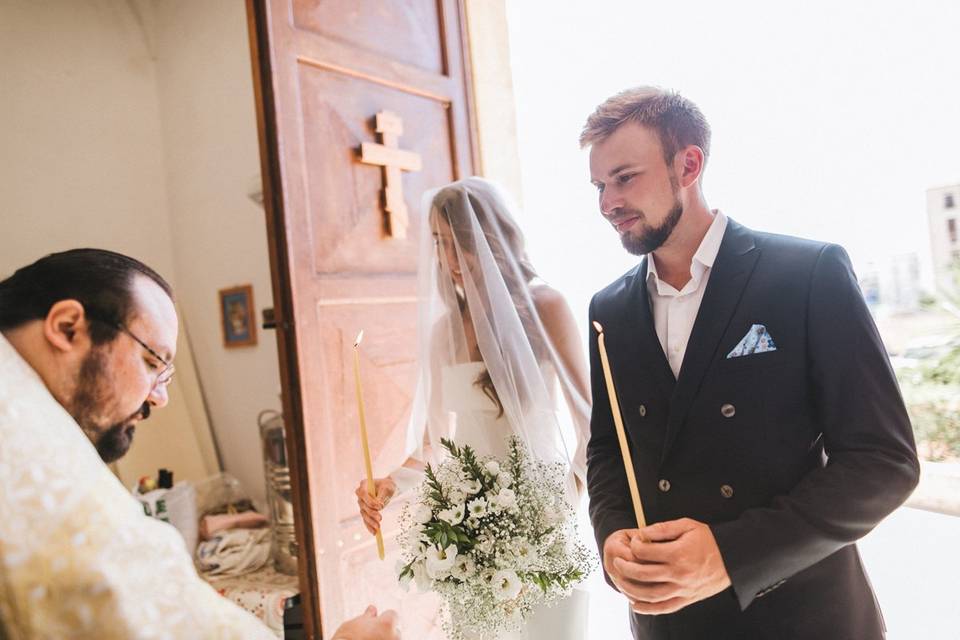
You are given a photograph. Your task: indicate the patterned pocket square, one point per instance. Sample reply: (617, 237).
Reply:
(757, 340)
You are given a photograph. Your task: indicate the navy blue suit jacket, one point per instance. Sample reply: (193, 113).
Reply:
(789, 455)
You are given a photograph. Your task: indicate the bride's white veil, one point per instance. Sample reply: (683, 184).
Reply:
(474, 274)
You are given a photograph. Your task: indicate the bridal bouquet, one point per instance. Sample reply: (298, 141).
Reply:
(494, 538)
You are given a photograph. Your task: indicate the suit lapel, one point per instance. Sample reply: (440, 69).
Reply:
(728, 278)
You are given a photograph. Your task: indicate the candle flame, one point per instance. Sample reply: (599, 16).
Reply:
(598, 326)
(359, 338)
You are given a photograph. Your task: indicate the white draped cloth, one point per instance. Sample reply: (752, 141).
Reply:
(78, 557)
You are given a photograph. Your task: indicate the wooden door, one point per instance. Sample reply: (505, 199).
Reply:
(323, 71)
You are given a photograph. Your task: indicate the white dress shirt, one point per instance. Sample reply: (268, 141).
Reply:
(674, 312)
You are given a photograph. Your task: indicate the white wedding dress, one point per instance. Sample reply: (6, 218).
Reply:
(474, 422)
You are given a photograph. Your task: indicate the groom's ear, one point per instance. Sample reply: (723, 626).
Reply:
(688, 165)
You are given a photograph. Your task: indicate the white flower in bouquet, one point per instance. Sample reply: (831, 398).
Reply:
(463, 567)
(497, 555)
(486, 578)
(422, 513)
(525, 553)
(484, 545)
(506, 585)
(420, 576)
(417, 574)
(477, 508)
(440, 561)
(551, 515)
(453, 515)
(506, 499)
(471, 487)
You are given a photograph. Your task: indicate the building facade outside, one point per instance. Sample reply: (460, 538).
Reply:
(943, 216)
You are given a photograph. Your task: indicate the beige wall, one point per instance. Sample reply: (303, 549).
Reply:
(80, 135)
(218, 233)
(130, 126)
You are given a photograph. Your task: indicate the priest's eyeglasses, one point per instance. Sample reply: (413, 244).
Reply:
(166, 373)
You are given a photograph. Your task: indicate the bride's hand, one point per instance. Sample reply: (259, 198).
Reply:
(370, 506)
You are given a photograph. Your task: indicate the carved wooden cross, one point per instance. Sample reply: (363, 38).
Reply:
(393, 160)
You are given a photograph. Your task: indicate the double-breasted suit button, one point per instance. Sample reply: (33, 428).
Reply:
(728, 410)
(726, 491)
(643, 411)
(664, 485)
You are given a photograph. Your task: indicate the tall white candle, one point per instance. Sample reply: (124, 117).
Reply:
(621, 434)
(371, 487)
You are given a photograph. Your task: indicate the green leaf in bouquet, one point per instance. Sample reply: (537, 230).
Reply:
(450, 446)
(436, 489)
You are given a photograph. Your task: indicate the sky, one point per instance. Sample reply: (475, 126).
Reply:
(830, 119)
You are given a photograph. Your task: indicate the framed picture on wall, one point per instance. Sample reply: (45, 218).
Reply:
(238, 317)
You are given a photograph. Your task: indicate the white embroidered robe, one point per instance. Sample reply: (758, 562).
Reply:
(78, 558)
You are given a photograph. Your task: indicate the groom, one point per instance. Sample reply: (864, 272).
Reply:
(766, 427)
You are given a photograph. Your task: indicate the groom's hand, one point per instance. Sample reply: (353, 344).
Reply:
(675, 564)
(616, 553)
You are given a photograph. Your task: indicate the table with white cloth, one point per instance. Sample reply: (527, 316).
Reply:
(263, 593)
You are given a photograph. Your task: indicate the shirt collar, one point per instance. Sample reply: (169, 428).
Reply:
(703, 259)
(710, 245)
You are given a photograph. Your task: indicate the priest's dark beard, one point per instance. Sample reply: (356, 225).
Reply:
(93, 392)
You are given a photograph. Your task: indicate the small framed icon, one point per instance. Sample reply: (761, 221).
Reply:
(237, 317)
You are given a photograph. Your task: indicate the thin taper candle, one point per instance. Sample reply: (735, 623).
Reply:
(371, 487)
(621, 433)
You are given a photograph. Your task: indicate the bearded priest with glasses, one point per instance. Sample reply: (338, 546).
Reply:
(87, 340)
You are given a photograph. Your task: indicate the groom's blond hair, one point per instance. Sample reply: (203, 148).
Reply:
(677, 121)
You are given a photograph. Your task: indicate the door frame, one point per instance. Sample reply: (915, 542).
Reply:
(270, 171)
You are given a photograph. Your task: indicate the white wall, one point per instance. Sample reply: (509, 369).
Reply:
(218, 233)
(130, 126)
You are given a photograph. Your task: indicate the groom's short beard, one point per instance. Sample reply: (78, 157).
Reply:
(651, 238)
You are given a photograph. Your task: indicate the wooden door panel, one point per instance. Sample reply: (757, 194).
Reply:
(344, 196)
(351, 576)
(419, 612)
(388, 358)
(323, 70)
(408, 31)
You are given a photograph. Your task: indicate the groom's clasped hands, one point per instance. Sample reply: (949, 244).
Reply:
(666, 566)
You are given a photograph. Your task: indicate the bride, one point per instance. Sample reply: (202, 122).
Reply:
(500, 355)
